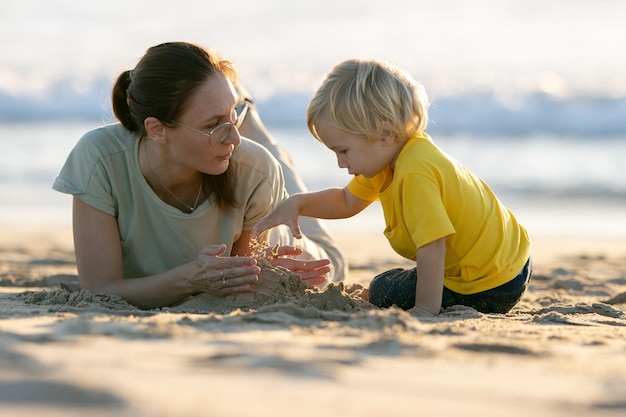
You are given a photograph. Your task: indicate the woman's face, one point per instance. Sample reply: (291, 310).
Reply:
(210, 105)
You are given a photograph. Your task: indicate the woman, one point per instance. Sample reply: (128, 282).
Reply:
(163, 202)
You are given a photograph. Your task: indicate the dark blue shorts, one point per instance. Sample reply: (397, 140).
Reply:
(397, 287)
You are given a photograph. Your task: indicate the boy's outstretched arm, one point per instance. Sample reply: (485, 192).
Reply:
(331, 203)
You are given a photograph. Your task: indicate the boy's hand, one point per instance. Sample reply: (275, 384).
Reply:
(420, 312)
(286, 213)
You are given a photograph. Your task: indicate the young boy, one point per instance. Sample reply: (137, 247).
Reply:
(468, 247)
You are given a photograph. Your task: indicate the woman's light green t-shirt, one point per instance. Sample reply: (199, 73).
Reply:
(103, 171)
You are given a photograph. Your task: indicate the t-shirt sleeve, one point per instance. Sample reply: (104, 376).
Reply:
(84, 175)
(424, 210)
(268, 188)
(362, 188)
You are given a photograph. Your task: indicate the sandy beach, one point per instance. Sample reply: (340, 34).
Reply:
(65, 352)
(529, 95)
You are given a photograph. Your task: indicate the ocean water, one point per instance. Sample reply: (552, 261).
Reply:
(530, 95)
(556, 186)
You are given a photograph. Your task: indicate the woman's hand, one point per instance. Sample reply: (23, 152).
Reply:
(311, 272)
(222, 276)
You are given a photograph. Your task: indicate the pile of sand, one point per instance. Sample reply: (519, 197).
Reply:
(277, 287)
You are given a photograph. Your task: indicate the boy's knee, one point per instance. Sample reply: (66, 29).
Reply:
(393, 287)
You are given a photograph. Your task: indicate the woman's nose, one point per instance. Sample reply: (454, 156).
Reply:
(234, 136)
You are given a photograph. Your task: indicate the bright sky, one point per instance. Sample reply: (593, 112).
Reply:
(290, 45)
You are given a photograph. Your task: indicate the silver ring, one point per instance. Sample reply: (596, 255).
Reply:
(223, 277)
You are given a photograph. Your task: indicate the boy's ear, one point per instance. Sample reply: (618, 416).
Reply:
(387, 136)
(155, 129)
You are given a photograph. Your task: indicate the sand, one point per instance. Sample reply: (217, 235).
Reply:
(66, 352)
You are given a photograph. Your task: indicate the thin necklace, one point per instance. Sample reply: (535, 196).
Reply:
(190, 208)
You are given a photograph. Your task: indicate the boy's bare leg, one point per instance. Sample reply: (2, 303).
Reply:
(317, 242)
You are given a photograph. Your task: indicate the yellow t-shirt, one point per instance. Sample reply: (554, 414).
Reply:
(431, 196)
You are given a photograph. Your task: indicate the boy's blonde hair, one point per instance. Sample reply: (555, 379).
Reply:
(369, 97)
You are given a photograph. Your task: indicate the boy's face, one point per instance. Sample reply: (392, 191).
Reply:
(355, 153)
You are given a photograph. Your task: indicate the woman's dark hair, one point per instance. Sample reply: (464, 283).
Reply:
(160, 86)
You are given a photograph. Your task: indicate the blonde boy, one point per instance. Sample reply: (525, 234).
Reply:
(468, 247)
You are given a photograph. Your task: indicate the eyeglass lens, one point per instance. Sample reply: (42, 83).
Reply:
(220, 133)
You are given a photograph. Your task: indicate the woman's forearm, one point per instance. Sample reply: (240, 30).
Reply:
(163, 289)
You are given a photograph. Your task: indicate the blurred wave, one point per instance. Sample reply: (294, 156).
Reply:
(480, 112)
